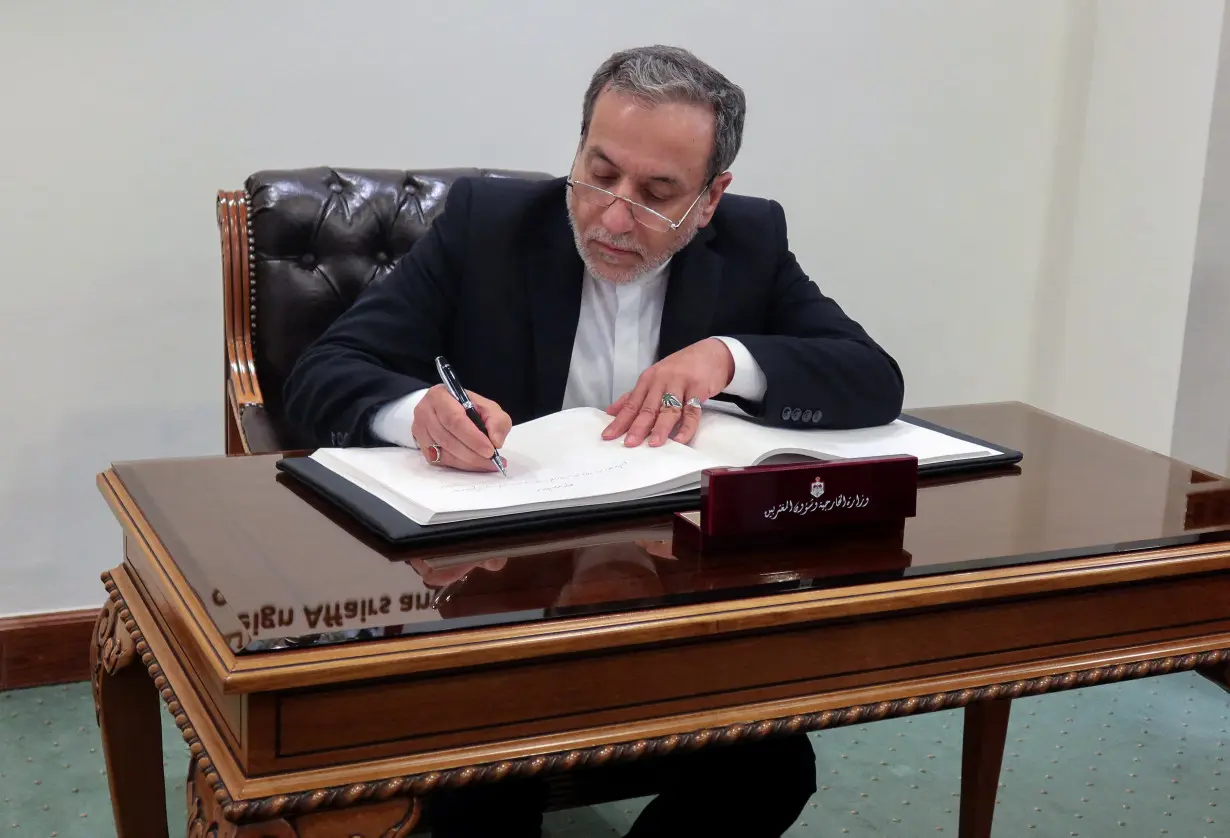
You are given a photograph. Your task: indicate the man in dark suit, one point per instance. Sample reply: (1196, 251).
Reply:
(635, 285)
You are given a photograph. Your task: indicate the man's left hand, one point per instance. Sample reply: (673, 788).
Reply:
(668, 395)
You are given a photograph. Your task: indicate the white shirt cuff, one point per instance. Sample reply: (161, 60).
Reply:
(392, 421)
(748, 382)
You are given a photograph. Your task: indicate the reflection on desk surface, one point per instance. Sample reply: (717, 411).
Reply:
(276, 568)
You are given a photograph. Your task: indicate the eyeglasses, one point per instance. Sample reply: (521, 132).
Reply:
(643, 215)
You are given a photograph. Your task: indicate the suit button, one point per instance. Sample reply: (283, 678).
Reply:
(795, 414)
(786, 414)
(815, 417)
(806, 415)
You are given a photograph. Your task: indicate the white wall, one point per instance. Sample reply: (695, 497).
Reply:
(1202, 421)
(919, 149)
(1108, 341)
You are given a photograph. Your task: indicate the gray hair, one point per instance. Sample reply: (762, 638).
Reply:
(659, 74)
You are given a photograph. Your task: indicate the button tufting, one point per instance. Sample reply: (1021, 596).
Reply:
(308, 259)
(382, 257)
(335, 187)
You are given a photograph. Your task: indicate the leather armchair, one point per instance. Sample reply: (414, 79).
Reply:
(298, 246)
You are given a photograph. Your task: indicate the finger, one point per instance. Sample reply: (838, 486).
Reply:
(461, 428)
(647, 413)
(455, 453)
(431, 453)
(497, 421)
(618, 405)
(445, 576)
(424, 442)
(628, 412)
(466, 461)
(689, 421)
(668, 419)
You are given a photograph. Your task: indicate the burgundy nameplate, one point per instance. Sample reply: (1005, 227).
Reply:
(774, 505)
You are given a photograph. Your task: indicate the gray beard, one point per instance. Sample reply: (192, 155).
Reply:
(598, 269)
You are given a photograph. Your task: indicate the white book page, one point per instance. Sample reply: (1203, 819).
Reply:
(742, 443)
(555, 461)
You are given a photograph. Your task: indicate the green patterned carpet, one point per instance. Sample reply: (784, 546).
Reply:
(1136, 759)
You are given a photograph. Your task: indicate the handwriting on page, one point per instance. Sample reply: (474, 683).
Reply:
(815, 505)
(531, 482)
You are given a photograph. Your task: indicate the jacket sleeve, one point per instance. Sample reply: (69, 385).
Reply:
(383, 347)
(816, 360)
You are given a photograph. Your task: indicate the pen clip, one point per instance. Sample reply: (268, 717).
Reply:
(450, 381)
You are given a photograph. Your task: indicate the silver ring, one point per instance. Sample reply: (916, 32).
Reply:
(694, 402)
(671, 400)
(437, 451)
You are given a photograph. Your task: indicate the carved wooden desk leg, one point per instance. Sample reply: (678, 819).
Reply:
(127, 707)
(986, 729)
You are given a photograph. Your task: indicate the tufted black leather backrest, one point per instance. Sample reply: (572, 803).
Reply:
(317, 238)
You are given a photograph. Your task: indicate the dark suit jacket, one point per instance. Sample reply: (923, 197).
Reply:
(495, 286)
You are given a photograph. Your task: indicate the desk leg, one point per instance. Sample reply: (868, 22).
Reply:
(127, 707)
(986, 730)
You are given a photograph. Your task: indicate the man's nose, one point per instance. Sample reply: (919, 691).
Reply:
(617, 218)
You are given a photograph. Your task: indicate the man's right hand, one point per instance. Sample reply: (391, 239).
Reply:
(447, 437)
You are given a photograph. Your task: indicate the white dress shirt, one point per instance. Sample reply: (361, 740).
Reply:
(616, 340)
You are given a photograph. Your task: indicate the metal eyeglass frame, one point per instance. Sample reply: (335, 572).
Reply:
(670, 225)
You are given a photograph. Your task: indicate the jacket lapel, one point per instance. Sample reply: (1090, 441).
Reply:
(554, 273)
(692, 293)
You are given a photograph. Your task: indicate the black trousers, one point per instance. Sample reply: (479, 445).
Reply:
(751, 790)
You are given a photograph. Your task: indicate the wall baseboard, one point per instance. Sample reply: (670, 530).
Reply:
(44, 649)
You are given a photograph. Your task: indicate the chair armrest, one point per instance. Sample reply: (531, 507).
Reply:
(257, 430)
(247, 418)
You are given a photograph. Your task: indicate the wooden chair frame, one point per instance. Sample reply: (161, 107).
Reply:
(243, 390)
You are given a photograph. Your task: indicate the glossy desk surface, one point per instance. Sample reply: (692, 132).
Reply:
(276, 569)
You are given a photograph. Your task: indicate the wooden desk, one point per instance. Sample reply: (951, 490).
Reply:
(325, 684)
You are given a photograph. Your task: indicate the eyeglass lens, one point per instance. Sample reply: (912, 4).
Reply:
(643, 215)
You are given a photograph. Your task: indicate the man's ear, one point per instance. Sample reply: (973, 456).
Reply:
(709, 203)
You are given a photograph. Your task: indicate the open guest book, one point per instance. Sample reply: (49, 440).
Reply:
(561, 470)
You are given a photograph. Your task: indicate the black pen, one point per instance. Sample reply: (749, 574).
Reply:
(459, 393)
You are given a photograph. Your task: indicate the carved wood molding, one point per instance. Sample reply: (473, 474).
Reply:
(382, 819)
(113, 647)
(258, 810)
